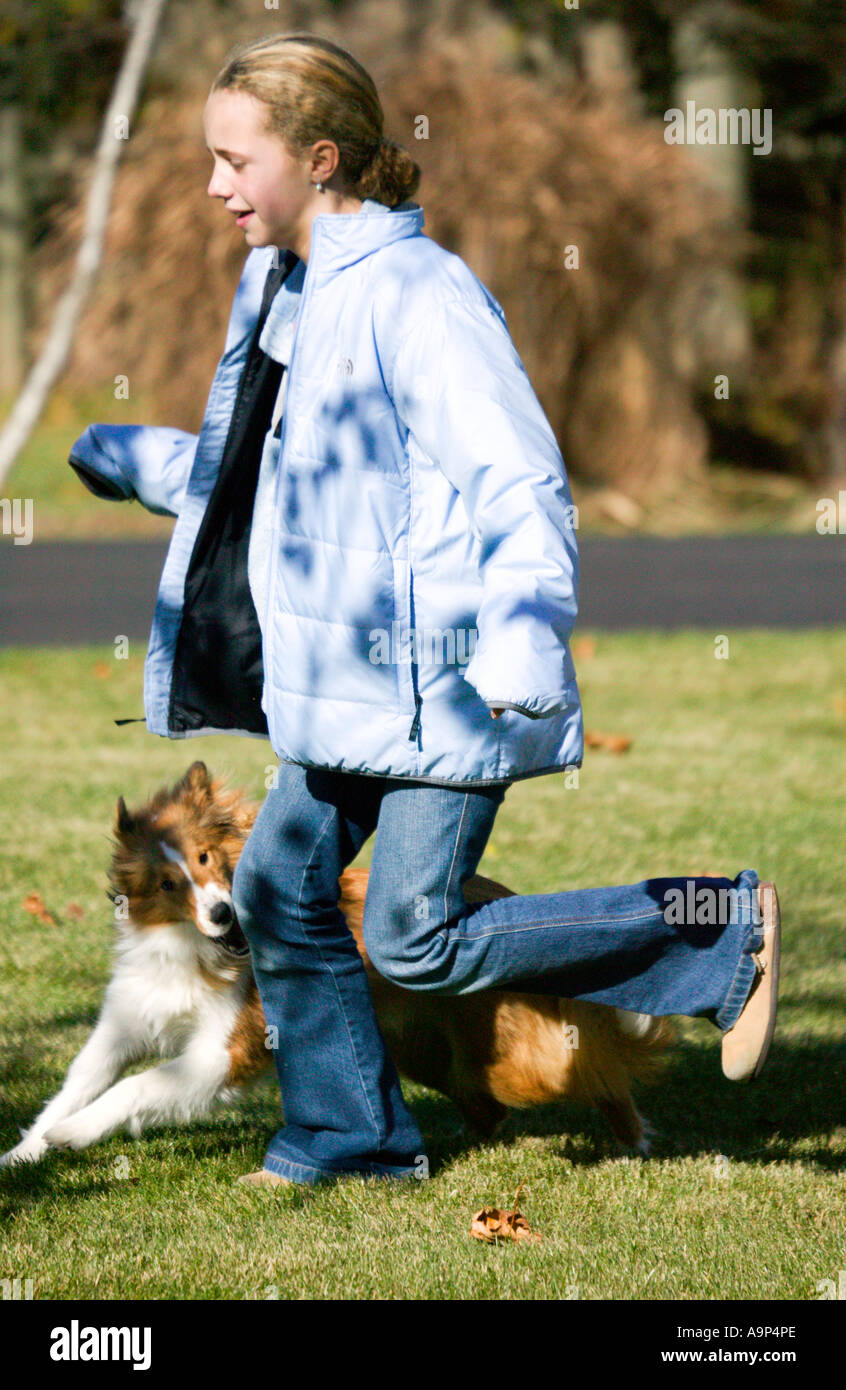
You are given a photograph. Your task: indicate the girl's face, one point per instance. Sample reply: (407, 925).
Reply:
(269, 192)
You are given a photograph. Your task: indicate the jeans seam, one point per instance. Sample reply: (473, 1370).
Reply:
(454, 856)
(568, 922)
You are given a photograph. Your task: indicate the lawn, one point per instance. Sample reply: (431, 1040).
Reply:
(733, 763)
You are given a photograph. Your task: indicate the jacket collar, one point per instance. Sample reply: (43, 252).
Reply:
(340, 239)
(337, 240)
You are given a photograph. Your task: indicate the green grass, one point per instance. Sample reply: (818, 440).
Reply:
(733, 763)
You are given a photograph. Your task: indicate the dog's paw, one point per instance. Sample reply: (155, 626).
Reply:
(642, 1146)
(27, 1151)
(66, 1135)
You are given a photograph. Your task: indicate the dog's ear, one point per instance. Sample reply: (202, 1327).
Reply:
(196, 779)
(123, 820)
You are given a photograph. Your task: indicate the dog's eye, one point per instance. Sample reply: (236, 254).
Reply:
(204, 858)
(168, 885)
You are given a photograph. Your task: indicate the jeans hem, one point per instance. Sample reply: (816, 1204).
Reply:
(307, 1173)
(747, 970)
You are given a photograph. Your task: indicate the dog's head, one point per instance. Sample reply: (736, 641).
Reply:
(174, 857)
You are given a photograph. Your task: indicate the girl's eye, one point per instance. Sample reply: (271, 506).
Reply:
(234, 165)
(168, 885)
(204, 858)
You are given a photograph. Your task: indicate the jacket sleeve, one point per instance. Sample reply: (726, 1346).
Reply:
(123, 462)
(460, 389)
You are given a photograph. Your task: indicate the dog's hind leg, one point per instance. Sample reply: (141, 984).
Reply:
(105, 1055)
(480, 1112)
(627, 1125)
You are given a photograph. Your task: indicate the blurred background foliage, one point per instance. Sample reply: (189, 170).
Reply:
(545, 132)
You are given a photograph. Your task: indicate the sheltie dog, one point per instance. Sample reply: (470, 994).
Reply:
(183, 988)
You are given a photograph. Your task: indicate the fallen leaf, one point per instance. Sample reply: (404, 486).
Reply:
(74, 910)
(583, 648)
(34, 903)
(615, 743)
(491, 1224)
(101, 670)
(839, 703)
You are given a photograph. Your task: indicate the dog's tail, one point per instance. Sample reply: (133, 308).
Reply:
(612, 1048)
(646, 1040)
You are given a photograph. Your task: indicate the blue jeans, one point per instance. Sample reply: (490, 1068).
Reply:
(649, 947)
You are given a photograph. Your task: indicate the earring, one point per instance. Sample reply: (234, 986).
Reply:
(319, 186)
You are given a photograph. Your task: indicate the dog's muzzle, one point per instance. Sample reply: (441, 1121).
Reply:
(233, 941)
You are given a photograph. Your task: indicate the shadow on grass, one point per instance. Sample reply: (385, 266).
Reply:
(694, 1111)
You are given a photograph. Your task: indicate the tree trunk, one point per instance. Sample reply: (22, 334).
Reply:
(56, 351)
(12, 252)
(708, 78)
(829, 448)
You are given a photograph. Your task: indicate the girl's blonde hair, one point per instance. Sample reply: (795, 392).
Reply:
(315, 90)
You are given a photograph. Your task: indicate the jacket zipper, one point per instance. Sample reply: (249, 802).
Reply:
(274, 538)
(415, 725)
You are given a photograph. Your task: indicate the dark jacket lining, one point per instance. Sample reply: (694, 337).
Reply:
(218, 673)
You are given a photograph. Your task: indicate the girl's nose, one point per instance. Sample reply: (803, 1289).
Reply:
(216, 187)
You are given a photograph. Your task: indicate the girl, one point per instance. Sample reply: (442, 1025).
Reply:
(374, 564)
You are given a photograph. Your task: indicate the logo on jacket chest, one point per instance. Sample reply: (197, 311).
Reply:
(344, 366)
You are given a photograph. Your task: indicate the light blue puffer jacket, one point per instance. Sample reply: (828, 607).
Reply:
(422, 516)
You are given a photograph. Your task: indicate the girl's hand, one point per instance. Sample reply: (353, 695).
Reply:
(495, 713)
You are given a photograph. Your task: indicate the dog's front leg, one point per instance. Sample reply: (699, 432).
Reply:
(107, 1052)
(181, 1090)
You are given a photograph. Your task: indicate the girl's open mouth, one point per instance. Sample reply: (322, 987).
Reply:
(240, 221)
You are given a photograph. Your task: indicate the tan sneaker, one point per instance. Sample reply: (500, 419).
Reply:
(745, 1046)
(264, 1178)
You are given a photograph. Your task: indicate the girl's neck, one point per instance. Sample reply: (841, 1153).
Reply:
(332, 203)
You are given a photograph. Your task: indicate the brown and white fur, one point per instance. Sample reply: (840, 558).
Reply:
(183, 988)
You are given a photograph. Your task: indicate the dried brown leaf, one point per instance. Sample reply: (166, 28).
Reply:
(492, 1224)
(34, 903)
(583, 648)
(615, 743)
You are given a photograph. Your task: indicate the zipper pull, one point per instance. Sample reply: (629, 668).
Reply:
(416, 721)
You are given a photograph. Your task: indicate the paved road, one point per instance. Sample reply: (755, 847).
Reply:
(62, 593)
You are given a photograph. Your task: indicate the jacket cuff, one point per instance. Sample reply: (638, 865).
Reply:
(506, 704)
(541, 706)
(95, 467)
(97, 470)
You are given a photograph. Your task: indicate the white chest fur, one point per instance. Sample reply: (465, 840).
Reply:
(160, 990)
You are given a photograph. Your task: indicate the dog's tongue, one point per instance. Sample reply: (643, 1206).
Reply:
(234, 942)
